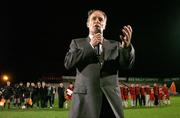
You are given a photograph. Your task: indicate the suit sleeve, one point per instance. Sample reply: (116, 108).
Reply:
(126, 57)
(77, 54)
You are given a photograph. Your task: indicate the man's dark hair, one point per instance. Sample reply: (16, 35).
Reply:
(94, 10)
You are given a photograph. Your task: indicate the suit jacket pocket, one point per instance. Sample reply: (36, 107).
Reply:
(80, 90)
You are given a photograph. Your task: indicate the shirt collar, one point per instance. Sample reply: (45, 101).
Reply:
(90, 37)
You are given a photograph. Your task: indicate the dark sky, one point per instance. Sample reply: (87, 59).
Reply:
(34, 36)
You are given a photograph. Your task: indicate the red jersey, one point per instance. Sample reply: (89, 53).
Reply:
(69, 92)
(125, 91)
(122, 94)
(132, 93)
(166, 92)
(161, 94)
(152, 98)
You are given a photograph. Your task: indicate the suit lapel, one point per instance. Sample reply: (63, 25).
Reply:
(106, 48)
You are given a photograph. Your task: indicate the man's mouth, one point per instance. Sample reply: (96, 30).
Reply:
(97, 25)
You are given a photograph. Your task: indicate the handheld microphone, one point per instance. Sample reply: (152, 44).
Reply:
(98, 30)
(98, 49)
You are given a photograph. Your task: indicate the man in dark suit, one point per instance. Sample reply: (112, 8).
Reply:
(61, 96)
(97, 61)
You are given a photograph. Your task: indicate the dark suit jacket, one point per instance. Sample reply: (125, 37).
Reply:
(95, 78)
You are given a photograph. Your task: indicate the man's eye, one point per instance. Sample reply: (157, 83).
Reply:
(94, 18)
(100, 19)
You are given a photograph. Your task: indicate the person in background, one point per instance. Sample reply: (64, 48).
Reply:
(33, 93)
(49, 95)
(53, 95)
(17, 94)
(147, 96)
(69, 91)
(143, 94)
(156, 94)
(126, 96)
(38, 94)
(68, 94)
(43, 92)
(61, 95)
(27, 95)
(8, 94)
(161, 96)
(132, 95)
(152, 98)
(166, 94)
(138, 94)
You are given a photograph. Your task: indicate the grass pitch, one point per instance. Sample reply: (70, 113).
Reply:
(170, 111)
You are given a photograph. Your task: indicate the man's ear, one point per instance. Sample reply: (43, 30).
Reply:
(87, 24)
(104, 27)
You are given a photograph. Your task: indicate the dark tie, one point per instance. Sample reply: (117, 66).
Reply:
(98, 49)
(100, 53)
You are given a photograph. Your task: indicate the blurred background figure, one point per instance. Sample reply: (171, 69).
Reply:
(68, 94)
(8, 94)
(61, 95)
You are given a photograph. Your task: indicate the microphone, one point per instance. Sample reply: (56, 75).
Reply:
(98, 49)
(98, 30)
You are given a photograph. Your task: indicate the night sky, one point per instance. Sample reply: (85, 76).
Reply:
(34, 36)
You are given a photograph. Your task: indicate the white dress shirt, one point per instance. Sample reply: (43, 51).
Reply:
(100, 45)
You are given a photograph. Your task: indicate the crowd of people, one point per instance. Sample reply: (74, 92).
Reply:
(42, 95)
(147, 95)
(38, 95)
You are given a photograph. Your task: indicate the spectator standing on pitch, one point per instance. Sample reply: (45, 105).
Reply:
(61, 95)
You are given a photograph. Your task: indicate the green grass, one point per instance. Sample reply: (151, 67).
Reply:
(170, 111)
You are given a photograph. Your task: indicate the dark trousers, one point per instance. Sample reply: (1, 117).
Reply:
(49, 99)
(138, 99)
(156, 100)
(143, 102)
(106, 110)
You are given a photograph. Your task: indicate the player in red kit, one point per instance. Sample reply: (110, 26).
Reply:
(161, 96)
(166, 94)
(147, 96)
(125, 91)
(132, 95)
(152, 98)
(69, 92)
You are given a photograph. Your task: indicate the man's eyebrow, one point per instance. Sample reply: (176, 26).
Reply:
(97, 17)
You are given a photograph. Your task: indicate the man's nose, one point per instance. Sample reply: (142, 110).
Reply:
(97, 20)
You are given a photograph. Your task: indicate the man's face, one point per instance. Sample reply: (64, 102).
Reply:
(43, 84)
(32, 84)
(8, 83)
(61, 84)
(21, 84)
(96, 21)
(71, 85)
(39, 84)
(27, 84)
